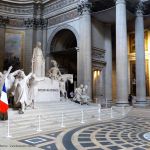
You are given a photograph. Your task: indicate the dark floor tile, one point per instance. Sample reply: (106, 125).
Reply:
(138, 148)
(113, 135)
(87, 144)
(127, 145)
(84, 135)
(55, 134)
(92, 129)
(115, 139)
(36, 140)
(49, 147)
(119, 142)
(105, 143)
(87, 131)
(137, 144)
(101, 139)
(146, 146)
(114, 147)
(84, 139)
(96, 149)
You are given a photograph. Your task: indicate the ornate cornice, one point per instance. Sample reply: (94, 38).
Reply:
(57, 5)
(84, 7)
(15, 10)
(63, 17)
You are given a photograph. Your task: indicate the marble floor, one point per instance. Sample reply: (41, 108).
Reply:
(130, 133)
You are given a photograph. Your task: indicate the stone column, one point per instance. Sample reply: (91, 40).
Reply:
(2, 45)
(108, 59)
(140, 57)
(84, 56)
(28, 50)
(121, 54)
(39, 35)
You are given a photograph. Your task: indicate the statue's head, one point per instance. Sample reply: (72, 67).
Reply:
(54, 63)
(86, 87)
(81, 86)
(33, 76)
(4, 72)
(38, 44)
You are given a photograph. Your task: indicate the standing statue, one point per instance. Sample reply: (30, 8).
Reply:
(21, 94)
(54, 72)
(38, 61)
(62, 86)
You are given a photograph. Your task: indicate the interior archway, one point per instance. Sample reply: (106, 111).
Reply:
(64, 51)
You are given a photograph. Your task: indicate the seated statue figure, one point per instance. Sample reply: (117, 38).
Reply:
(54, 72)
(78, 94)
(38, 61)
(81, 94)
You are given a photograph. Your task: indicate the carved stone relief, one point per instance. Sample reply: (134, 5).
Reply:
(63, 17)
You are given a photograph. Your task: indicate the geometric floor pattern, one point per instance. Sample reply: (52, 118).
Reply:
(130, 133)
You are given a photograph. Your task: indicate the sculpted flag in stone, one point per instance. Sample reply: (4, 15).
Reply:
(3, 100)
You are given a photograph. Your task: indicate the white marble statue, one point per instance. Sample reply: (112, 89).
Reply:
(62, 83)
(38, 61)
(62, 86)
(21, 94)
(81, 94)
(78, 93)
(54, 72)
(8, 78)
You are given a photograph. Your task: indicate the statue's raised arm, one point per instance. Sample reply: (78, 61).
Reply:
(8, 72)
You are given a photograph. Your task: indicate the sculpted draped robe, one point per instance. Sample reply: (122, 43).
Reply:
(38, 63)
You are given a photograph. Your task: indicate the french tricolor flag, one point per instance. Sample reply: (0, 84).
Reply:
(3, 100)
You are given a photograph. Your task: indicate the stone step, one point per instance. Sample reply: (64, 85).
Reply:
(50, 127)
(27, 124)
(54, 115)
(47, 124)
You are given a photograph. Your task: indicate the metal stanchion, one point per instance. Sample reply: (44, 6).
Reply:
(39, 123)
(111, 112)
(106, 103)
(123, 111)
(62, 120)
(82, 118)
(99, 114)
(8, 130)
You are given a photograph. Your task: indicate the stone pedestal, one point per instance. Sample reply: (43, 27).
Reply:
(121, 54)
(46, 90)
